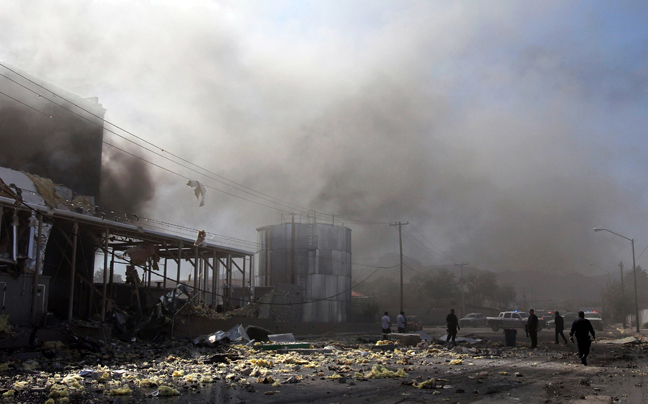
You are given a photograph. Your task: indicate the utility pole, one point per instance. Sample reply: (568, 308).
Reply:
(400, 242)
(623, 298)
(463, 301)
(634, 273)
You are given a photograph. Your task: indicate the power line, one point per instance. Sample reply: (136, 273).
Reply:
(138, 145)
(238, 186)
(420, 246)
(441, 253)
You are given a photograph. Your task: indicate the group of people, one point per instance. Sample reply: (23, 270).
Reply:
(401, 323)
(581, 329)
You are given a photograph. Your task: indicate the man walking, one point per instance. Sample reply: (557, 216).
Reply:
(453, 325)
(581, 327)
(559, 322)
(532, 328)
(401, 322)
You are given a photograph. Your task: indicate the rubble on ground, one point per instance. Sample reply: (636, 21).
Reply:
(65, 373)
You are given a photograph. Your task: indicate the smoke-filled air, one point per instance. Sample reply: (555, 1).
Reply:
(501, 132)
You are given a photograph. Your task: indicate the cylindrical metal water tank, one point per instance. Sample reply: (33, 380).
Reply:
(314, 259)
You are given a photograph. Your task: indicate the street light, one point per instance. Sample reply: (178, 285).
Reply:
(634, 271)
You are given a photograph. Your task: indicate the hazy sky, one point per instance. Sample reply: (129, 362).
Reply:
(503, 132)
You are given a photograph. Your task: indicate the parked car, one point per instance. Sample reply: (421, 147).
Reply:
(413, 323)
(473, 320)
(595, 319)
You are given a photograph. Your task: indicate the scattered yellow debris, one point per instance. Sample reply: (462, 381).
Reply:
(73, 381)
(262, 362)
(292, 359)
(59, 390)
(55, 345)
(151, 382)
(5, 326)
(381, 372)
(105, 376)
(121, 391)
(167, 391)
(21, 385)
(428, 384)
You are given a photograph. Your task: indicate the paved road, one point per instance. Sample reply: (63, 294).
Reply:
(546, 335)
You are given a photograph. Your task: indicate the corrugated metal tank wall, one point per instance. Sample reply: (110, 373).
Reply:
(321, 269)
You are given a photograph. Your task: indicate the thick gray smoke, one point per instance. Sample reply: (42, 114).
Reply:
(501, 133)
(58, 136)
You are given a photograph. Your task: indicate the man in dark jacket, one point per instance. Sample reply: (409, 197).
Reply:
(453, 325)
(532, 328)
(560, 327)
(581, 327)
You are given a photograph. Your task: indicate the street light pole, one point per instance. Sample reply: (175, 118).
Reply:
(634, 271)
(623, 294)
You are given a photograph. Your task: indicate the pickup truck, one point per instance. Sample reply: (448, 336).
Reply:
(511, 319)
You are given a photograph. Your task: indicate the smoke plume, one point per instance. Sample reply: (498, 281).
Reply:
(499, 132)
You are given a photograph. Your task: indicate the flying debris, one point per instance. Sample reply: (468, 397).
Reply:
(199, 191)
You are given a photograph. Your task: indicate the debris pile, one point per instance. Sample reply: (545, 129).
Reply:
(231, 361)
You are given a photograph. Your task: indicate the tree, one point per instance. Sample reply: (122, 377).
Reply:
(481, 288)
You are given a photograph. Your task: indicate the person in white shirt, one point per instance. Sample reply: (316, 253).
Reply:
(401, 322)
(386, 323)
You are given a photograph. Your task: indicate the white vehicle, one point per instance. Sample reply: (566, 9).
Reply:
(511, 319)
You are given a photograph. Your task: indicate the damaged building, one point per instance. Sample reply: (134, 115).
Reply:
(48, 246)
(63, 238)
(54, 235)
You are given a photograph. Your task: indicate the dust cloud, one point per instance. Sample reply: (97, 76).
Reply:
(480, 125)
